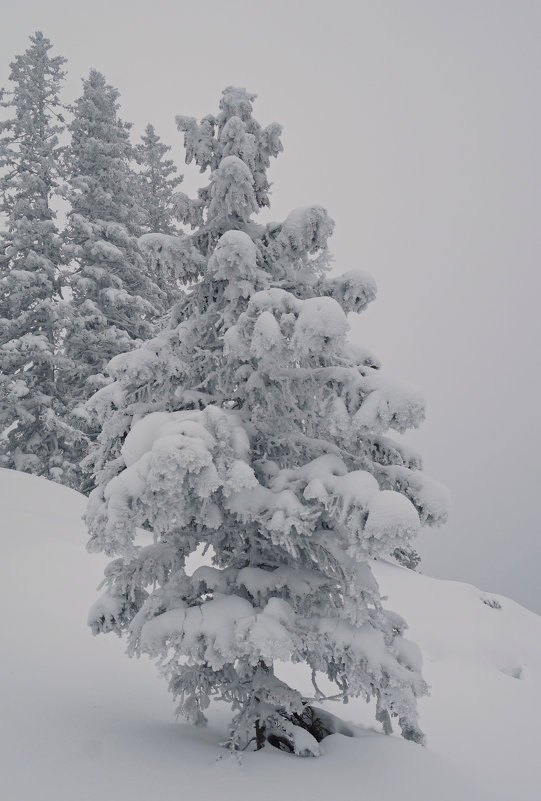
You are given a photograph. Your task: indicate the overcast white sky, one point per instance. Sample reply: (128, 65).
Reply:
(418, 125)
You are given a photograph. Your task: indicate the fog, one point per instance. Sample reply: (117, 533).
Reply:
(417, 125)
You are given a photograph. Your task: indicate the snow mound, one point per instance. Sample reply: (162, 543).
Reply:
(82, 721)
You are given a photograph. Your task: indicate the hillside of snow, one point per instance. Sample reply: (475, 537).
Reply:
(82, 721)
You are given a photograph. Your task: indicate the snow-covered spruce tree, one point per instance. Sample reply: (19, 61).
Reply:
(157, 185)
(35, 436)
(254, 428)
(114, 300)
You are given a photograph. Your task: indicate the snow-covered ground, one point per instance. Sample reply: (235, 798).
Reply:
(79, 720)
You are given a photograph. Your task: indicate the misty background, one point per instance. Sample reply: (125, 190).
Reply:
(418, 126)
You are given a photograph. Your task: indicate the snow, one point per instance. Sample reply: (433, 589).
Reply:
(146, 431)
(306, 228)
(431, 498)
(212, 626)
(478, 715)
(82, 721)
(390, 511)
(106, 609)
(267, 334)
(390, 404)
(235, 256)
(232, 189)
(258, 581)
(354, 289)
(153, 427)
(106, 251)
(170, 256)
(320, 320)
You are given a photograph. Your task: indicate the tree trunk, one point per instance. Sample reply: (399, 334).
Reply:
(259, 735)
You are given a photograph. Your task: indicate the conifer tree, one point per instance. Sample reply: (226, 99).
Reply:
(115, 301)
(32, 411)
(253, 427)
(158, 183)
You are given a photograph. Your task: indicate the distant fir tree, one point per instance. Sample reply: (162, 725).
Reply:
(33, 435)
(114, 300)
(158, 182)
(252, 427)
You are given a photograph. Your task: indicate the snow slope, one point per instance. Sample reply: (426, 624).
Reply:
(82, 721)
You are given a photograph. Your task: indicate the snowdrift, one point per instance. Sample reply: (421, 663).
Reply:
(81, 721)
